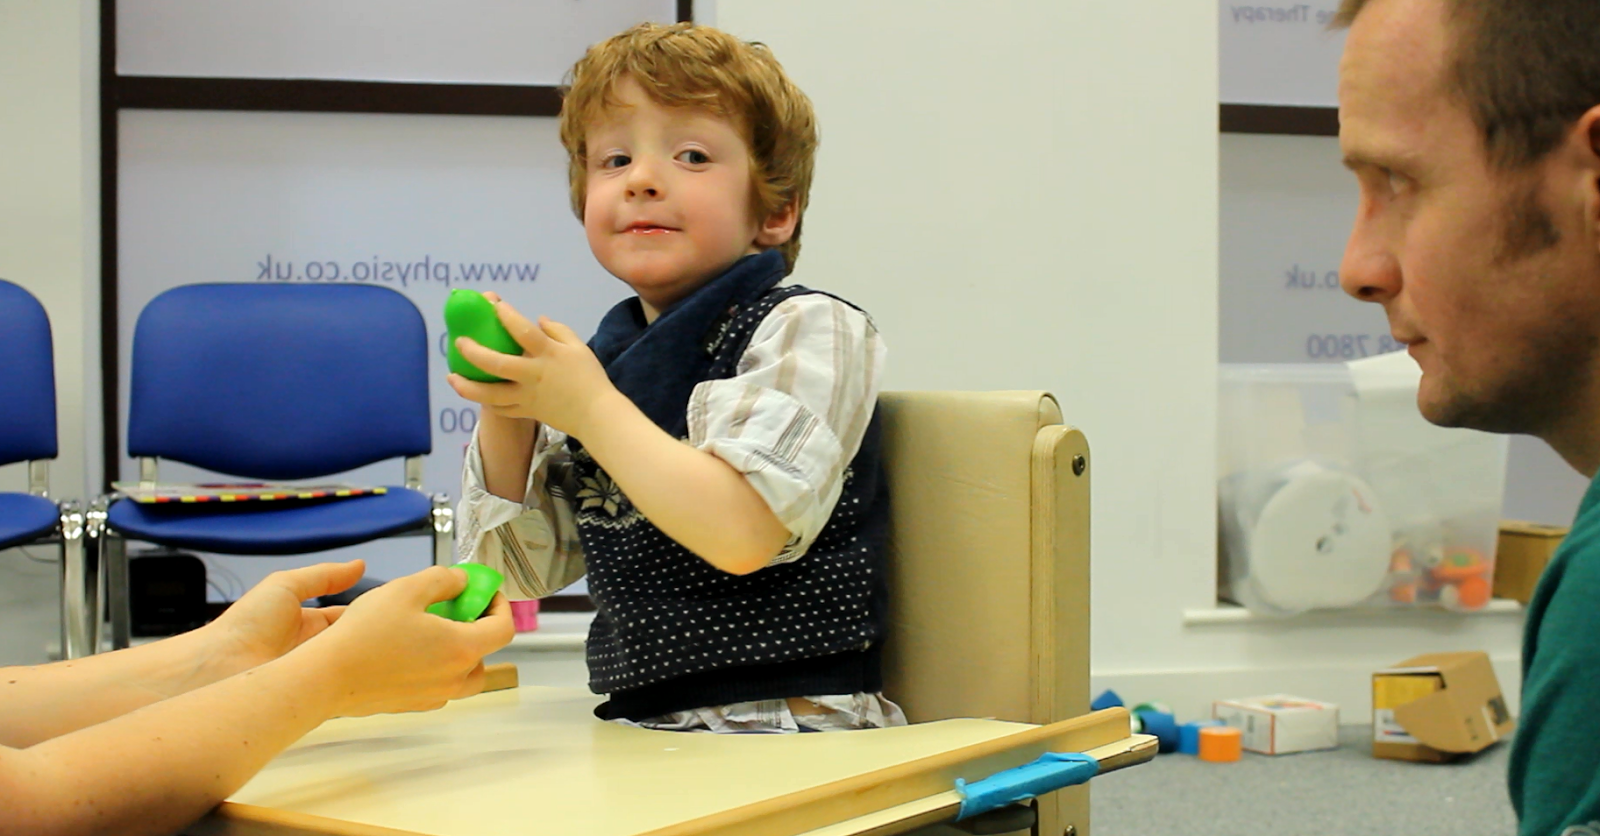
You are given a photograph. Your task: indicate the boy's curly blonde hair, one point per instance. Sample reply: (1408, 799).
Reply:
(684, 65)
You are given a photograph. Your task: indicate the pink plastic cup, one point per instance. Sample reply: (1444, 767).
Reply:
(525, 615)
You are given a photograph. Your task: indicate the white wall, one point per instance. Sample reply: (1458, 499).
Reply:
(1024, 194)
(49, 210)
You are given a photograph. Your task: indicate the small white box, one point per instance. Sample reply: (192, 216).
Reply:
(1279, 724)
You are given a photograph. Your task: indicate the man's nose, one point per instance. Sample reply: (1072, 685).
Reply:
(1370, 270)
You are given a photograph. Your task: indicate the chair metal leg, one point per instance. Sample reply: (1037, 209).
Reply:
(444, 526)
(94, 561)
(115, 570)
(75, 627)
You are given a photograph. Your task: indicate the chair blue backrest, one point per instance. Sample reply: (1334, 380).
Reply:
(279, 381)
(27, 378)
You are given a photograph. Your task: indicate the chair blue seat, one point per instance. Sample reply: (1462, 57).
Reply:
(274, 527)
(25, 518)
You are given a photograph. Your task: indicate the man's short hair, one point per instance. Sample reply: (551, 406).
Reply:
(684, 65)
(1525, 69)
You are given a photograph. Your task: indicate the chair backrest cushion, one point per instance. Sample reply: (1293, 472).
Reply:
(27, 378)
(279, 381)
(960, 555)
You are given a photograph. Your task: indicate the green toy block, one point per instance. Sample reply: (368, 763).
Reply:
(468, 314)
(482, 584)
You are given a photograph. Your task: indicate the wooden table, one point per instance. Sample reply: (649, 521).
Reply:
(535, 761)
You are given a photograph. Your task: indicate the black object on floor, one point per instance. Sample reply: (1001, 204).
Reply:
(166, 593)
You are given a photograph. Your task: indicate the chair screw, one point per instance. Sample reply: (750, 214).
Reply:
(1079, 465)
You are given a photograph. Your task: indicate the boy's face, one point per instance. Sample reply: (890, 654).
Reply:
(668, 206)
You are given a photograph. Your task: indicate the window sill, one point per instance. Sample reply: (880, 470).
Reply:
(1234, 614)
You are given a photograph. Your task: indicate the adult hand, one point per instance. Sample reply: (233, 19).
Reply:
(557, 380)
(385, 653)
(269, 621)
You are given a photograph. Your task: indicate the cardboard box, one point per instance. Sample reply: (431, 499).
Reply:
(1524, 550)
(1437, 707)
(1280, 724)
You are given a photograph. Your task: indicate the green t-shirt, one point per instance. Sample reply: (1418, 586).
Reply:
(1555, 759)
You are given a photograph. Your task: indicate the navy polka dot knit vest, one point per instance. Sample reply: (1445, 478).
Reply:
(671, 632)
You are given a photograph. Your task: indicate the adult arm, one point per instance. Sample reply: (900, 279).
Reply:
(166, 762)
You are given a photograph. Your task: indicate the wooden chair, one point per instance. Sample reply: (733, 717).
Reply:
(989, 565)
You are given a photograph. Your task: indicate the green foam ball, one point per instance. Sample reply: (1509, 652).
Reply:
(468, 314)
(482, 583)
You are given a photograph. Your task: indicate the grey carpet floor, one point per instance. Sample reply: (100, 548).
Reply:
(1339, 791)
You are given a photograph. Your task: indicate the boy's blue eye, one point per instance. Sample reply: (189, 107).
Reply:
(694, 157)
(616, 161)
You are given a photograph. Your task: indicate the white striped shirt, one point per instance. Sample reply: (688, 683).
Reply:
(790, 420)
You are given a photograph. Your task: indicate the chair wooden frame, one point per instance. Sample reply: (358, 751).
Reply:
(989, 565)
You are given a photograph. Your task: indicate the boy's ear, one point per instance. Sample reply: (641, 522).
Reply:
(778, 228)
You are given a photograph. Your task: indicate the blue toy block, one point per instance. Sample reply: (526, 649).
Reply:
(1189, 735)
(1107, 699)
(1163, 725)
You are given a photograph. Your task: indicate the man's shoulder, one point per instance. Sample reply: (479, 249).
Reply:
(1578, 557)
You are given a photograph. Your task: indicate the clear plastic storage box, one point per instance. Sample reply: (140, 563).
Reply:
(1335, 492)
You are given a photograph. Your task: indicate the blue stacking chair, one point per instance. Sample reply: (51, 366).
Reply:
(274, 382)
(28, 434)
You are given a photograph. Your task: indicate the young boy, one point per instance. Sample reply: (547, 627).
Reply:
(711, 458)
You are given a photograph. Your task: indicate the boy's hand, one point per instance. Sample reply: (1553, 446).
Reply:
(557, 381)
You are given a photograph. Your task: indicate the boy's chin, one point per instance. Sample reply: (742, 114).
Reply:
(668, 280)
(662, 288)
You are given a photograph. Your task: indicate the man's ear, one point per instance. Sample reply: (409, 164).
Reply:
(1588, 129)
(778, 228)
(1590, 124)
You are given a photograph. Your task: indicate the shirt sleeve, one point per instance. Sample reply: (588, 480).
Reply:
(794, 414)
(534, 543)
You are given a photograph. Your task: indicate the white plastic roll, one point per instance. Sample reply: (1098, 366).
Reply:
(1321, 540)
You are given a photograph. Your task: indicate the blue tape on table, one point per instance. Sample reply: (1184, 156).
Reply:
(1051, 772)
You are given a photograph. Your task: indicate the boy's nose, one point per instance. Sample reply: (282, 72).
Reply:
(643, 182)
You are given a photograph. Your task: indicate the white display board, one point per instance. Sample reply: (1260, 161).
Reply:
(465, 41)
(1278, 54)
(421, 204)
(1286, 209)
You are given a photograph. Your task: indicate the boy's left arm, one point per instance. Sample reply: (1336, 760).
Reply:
(693, 495)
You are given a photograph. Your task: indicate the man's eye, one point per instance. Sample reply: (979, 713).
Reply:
(1397, 182)
(615, 161)
(694, 157)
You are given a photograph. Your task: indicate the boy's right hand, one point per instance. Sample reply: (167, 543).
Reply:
(557, 380)
(387, 654)
(505, 443)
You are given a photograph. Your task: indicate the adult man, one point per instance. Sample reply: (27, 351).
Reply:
(1474, 129)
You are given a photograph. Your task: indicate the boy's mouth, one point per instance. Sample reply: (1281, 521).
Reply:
(647, 228)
